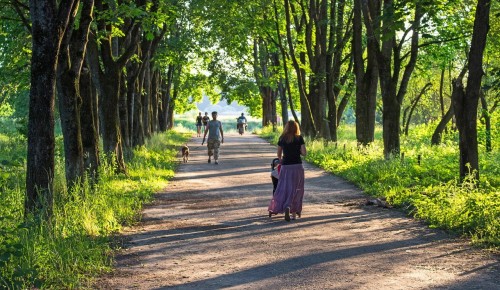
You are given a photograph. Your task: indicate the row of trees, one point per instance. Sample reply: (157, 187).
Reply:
(321, 56)
(115, 67)
(120, 68)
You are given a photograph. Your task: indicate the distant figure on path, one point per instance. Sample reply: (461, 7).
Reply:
(199, 121)
(215, 138)
(205, 120)
(290, 189)
(241, 124)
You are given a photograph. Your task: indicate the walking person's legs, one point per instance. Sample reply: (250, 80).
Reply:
(210, 146)
(216, 151)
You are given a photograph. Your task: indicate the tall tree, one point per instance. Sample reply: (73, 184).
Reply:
(390, 64)
(366, 78)
(109, 77)
(465, 101)
(49, 22)
(70, 65)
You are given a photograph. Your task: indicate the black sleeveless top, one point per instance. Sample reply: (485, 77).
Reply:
(291, 151)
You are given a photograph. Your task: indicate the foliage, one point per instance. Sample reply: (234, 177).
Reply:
(74, 246)
(429, 190)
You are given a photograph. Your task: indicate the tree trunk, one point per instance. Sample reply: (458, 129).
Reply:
(487, 121)
(165, 93)
(48, 27)
(268, 106)
(389, 62)
(124, 113)
(69, 110)
(366, 80)
(89, 125)
(155, 101)
(438, 132)
(110, 117)
(146, 105)
(413, 106)
(466, 103)
(169, 104)
(170, 116)
(110, 78)
(138, 139)
(70, 65)
(284, 102)
(317, 53)
(285, 68)
(441, 95)
(308, 127)
(343, 103)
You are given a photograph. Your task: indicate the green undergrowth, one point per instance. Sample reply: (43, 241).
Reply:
(427, 189)
(75, 245)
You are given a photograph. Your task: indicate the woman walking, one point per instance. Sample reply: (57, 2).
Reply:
(199, 121)
(290, 190)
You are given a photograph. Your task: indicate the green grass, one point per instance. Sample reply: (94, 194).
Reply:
(429, 190)
(75, 245)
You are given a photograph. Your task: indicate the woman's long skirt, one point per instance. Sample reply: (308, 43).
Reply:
(290, 190)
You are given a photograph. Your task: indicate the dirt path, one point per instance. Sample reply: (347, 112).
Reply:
(209, 230)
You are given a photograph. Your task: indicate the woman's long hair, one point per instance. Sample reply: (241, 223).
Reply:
(290, 132)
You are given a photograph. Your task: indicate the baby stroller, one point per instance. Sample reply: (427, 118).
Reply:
(275, 171)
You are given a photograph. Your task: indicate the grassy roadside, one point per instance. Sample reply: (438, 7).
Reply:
(428, 190)
(75, 246)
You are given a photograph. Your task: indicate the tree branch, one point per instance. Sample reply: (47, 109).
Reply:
(17, 7)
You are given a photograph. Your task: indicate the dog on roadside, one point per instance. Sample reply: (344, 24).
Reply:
(185, 153)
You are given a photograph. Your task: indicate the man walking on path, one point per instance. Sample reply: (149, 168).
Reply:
(215, 138)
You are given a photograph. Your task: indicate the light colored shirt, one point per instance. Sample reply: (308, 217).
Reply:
(214, 130)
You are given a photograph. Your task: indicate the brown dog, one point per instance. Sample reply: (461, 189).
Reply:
(185, 153)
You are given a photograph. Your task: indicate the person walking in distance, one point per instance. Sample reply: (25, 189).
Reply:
(290, 189)
(205, 120)
(199, 121)
(215, 138)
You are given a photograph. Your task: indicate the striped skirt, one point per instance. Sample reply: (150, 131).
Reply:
(290, 190)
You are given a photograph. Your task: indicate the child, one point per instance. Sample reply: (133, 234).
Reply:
(275, 171)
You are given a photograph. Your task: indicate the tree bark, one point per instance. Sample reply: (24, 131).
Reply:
(124, 112)
(466, 102)
(366, 79)
(414, 105)
(317, 53)
(146, 105)
(389, 62)
(110, 117)
(166, 89)
(49, 24)
(308, 125)
(487, 122)
(70, 64)
(438, 132)
(285, 66)
(110, 79)
(89, 125)
(155, 101)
